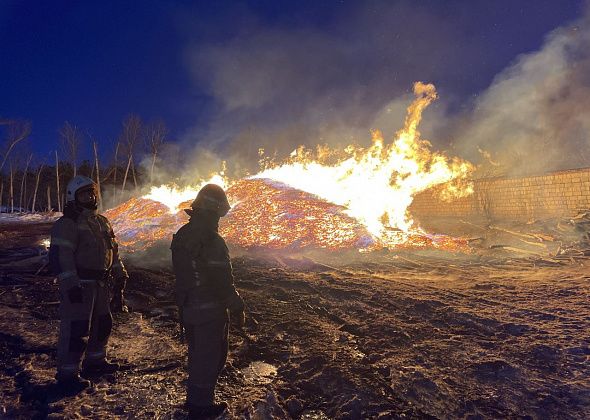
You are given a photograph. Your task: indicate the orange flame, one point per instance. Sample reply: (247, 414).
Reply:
(352, 198)
(376, 185)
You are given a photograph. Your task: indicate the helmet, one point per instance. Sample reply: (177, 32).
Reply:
(212, 197)
(76, 184)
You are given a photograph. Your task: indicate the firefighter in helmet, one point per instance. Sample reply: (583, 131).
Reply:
(84, 256)
(206, 296)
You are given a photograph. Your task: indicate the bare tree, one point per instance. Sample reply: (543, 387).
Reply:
(49, 197)
(70, 137)
(17, 132)
(116, 167)
(57, 181)
(23, 184)
(97, 173)
(155, 137)
(125, 176)
(3, 121)
(130, 138)
(11, 190)
(36, 187)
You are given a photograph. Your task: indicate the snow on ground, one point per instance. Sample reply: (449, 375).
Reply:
(6, 218)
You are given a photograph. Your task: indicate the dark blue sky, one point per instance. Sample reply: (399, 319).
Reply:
(93, 63)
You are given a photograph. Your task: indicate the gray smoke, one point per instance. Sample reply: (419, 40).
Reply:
(535, 116)
(281, 86)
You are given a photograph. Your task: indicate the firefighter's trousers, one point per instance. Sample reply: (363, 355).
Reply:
(85, 326)
(207, 339)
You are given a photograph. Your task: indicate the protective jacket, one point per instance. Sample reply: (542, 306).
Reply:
(202, 265)
(82, 253)
(83, 246)
(204, 293)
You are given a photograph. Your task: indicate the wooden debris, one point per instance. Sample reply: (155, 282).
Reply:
(32, 264)
(547, 261)
(480, 238)
(522, 235)
(514, 249)
(544, 237)
(49, 303)
(157, 368)
(446, 266)
(474, 225)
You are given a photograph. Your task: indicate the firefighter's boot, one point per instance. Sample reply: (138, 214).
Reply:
(206, 412)
(102, 367)
(71, 384)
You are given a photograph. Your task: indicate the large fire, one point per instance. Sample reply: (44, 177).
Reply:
(332, 199)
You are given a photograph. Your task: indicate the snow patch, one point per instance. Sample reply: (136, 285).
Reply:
(9, 218)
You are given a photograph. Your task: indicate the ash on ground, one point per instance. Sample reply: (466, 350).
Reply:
(393, 336)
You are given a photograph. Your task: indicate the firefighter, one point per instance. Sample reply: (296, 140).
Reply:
(84, 256)
(206, 297)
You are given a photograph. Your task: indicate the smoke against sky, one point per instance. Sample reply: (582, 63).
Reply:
(231, 76)
(278, 86)
(291, 85)
(535, 116)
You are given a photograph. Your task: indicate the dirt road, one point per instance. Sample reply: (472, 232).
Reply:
(387, 337)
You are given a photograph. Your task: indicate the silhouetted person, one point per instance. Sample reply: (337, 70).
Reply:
(205, 295)
(84, 256)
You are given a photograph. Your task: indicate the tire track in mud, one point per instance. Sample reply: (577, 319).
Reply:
(488, 350)
(492, 328)
(436, 291)
(350, 329)
(347, 343)
(320, 364)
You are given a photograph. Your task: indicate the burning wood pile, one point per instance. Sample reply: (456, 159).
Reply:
(265, 215)
(355, 198)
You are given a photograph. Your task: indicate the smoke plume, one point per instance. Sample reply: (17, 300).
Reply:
(535, 116)
(279, 86)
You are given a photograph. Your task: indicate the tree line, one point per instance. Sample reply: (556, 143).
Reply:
(33, 184)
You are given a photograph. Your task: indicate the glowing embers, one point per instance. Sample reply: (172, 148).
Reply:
(356, 197)
(267, 215)
(272, 215)
(264, 215)
(140, 222)
(377, 184)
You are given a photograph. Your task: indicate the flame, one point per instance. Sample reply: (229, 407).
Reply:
(376, 185)
(267, 215)
(328, 198)
(172, 196)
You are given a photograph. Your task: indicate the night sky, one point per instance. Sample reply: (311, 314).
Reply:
(282, 70)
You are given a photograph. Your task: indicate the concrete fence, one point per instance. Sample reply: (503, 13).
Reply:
(554, 194)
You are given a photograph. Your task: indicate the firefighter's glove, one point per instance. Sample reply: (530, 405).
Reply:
(236, 309)
(118, 301)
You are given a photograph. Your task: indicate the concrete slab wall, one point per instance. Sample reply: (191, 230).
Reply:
(554, 194)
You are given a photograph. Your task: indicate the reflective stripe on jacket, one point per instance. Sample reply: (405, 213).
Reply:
(86, 242)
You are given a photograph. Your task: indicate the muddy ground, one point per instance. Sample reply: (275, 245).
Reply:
(383, 336)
